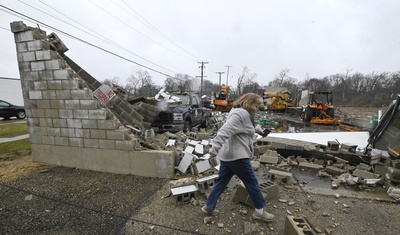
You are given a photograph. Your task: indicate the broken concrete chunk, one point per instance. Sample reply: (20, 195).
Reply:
(185, 162)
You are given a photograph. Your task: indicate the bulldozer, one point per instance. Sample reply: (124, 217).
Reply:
(277, 99)
(221, 102)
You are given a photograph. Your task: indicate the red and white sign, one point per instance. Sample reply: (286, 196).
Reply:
(104, 93)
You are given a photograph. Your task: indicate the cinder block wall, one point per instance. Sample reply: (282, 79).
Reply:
(67, 125)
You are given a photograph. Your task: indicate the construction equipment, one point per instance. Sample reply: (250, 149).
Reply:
(318, 102)
(221, 102)
(325, 119)
(277, 99)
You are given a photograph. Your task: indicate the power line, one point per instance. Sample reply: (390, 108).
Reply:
(147, 23)
(81, 40)
(132, 28)
(104, 39)
(7, 78)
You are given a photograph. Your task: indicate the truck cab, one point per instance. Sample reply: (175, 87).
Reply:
(184, 112)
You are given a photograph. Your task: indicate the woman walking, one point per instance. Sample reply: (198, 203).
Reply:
(233, 146)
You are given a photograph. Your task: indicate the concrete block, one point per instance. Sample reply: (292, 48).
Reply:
(349, 147)
(76, 142)
(49, 94)
(30, 76)
(91, 143)
(125, 144)
(54, 64)
(270, 189)
(63, 94)
(82, 133)
(241, 195)
(46, 75)
(115, 135)
(44, 55)
(67, 132)
(379, 160)
(36, 45)
(200, 167)
(81, 94)
(206, 183)
(61, 140)
(27, 57)
(107, 144)
(282, 176)
(57, 104)
(199, 149)
(81, 114)
(72, 104)
(310, 166)
(24, 66)
(54, 85)
(49, 140)
(110, 124)
(265, 159)
(380, 169)
(98, 114)
(17, 26)
(71, 84)
(185, 162)
(51, 113)
(334, 170)
(43, 104)
(394, 175)
(24, 36)
(106, 160)
(298, 225)
(183, 194)
(66, 113)
(38, 113)
(35, 95)
(37, 66)
(88, 104)
(156, 163)
(74, 123)
(333, 145)
(87, 124)
(97, 134)
(62, 74)
(53, 131)
(46, 122)
(364, 174)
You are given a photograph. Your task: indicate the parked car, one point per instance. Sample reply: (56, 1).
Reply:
(8, 110)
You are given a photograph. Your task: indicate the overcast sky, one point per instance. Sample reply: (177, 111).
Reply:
(314, 38)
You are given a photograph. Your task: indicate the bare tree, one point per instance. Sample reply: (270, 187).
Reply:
(244, 79)
(132, 85)
(109, 82)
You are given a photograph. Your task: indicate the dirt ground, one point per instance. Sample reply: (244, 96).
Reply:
(39, 198)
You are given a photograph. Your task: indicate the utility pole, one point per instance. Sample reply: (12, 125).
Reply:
(220, 78)
(201, 84)
(227, 76)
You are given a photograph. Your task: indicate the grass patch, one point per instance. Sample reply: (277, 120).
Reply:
(15, 149)
(11, 130)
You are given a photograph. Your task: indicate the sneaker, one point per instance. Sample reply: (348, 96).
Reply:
(267, 217)
(207, 210)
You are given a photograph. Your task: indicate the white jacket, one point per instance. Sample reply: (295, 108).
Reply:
(234, 139)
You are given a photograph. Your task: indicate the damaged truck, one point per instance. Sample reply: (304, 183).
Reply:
(181, 111)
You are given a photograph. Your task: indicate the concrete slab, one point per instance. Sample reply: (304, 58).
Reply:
(351, 138)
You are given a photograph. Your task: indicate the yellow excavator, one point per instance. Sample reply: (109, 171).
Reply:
(221, 102)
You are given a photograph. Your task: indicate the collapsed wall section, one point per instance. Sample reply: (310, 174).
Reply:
(67, 125)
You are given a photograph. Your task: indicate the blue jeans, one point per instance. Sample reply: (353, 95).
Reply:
(244, 170)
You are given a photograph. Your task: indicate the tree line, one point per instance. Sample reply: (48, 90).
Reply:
(349, 89)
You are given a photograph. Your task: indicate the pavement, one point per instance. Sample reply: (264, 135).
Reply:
(20, 137)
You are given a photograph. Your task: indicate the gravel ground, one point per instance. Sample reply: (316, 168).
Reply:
(44, 199)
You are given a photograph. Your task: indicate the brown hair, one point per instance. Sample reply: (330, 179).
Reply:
(248, 101)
